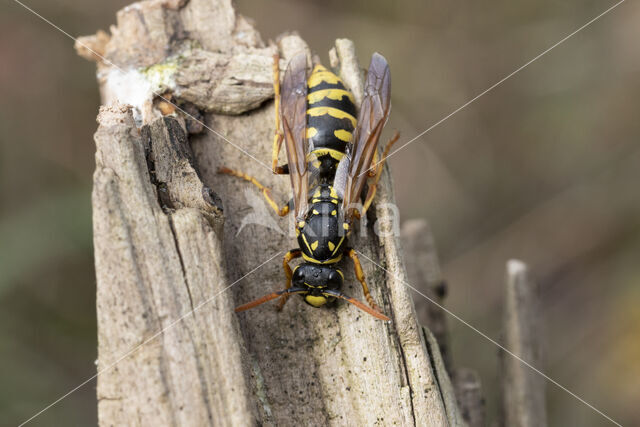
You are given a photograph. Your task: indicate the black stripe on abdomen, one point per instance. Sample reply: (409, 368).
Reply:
(325, 85)
(343, 104)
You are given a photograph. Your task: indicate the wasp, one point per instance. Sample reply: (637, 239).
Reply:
(331, 155)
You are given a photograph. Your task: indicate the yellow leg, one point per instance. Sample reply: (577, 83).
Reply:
(278, 136)
(265, 191)
(377, 173)
(360, 276)
(292, 254)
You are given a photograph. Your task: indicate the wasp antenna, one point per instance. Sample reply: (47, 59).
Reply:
(269, 297)
(358, 304)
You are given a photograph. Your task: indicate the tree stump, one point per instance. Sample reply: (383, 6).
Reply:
(173, 255)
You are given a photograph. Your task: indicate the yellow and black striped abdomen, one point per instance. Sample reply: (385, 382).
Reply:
(331, 113)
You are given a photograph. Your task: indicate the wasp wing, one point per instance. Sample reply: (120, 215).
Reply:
(293, 110)
(374, 112)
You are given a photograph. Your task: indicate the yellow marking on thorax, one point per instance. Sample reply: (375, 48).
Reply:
(314, 245)
(333, 112)
(334, 201)
(304, 239)
(338, 155)
(316, 301)
(335, 94)
(315, 261)
(338, 246)
(311, 132)
(331, 246)
(343, 135)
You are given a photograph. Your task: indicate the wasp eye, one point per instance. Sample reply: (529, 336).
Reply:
(334, 280)
(298, 276)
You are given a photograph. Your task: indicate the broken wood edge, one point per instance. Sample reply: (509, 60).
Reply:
(173, 171)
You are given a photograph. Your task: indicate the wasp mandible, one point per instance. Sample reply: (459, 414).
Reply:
(331, 155)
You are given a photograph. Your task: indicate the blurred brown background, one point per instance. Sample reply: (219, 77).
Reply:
(543, 168)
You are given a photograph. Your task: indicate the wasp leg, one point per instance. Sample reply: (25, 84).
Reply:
(360, 276)
(278, 136)
(291, 255)
(265, 191)
(373, 171)
(376, 173)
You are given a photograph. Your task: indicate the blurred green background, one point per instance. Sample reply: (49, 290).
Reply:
(543, 168)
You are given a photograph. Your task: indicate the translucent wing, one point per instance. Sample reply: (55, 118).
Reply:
(313, 174)
(294, 122)
(374, 112)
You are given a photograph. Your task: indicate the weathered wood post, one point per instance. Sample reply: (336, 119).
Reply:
(523, 390)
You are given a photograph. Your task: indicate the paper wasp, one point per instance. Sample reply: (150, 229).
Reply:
(331, 155)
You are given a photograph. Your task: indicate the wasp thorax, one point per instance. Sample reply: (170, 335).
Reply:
(321, 235)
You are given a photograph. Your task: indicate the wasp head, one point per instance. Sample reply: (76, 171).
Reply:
(318, 284)
(317, 279)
